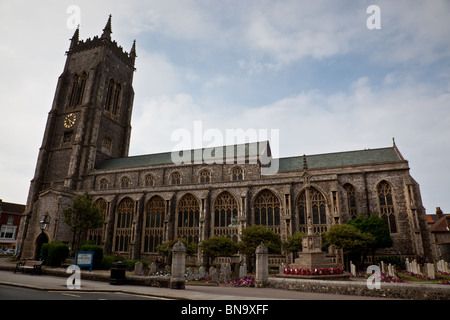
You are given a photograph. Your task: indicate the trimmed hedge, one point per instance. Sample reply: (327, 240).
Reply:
(54, 253)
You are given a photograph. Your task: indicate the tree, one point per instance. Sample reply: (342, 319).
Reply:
(350, 239)
(81, 216)
(375, 226)
(294, 243)
(252, 237)
(218, 247)
(165, 249)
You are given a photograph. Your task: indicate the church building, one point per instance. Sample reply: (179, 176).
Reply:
(149, 199)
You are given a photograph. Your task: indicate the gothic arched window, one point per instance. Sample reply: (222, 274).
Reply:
(386, 203)
(109, 95)
(113, 95)
(319, 216)
(175, 178)
(124, 222)
(267, 210)
(103, 184)
(125, 182)
(205, 176)
(77, 90)
(188, 215)
(226, 216)
(154, 223)
(81, 87)
(237, 174)
(73, 92)
(351, 201)
(116, 101)
(314, 207)
(149, 181)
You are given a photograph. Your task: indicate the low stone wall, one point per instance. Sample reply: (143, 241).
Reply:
(388, 290)
(150, 281)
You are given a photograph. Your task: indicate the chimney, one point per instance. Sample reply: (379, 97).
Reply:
(439, 213)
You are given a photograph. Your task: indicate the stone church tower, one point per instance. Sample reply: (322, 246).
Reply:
(90, 121)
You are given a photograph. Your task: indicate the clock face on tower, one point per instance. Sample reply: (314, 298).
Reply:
(70, 119)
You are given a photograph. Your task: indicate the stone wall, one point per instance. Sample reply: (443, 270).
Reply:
(388, 290)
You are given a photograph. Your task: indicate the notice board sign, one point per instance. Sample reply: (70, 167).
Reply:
(84, 259)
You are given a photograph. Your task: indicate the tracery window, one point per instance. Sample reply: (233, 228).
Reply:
(267, 210)
(226, 216)
(103, 184)
(316, 210)
(205, 176)
(149, 181)
(387, 212)
(77, 92)
(124, 221)
(188, 215)
(319, 217)
(154, 223)
(237, 174)
(175, 178)
(113, 95)
(96, 235)
(351, 201)
(125, 182)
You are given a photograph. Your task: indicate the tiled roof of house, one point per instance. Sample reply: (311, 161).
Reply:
(11, 208)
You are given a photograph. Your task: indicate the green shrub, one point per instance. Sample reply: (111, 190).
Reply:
(108, 260)
(393, 260)
(98, 254)
(54, 253)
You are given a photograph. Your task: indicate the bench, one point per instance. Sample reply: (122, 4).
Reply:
(33, 265)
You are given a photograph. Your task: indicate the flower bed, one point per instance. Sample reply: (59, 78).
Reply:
(248, 281)
(313, 272)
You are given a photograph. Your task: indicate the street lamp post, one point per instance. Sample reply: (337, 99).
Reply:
(43, 225)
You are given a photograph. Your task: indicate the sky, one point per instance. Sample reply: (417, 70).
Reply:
(309, 76)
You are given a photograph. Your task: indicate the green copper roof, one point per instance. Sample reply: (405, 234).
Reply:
(368, 156)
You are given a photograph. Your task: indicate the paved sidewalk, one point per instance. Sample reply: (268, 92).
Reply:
(191, 292)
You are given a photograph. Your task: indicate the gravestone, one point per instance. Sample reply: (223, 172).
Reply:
(153, 268)
(189, 275)
(383, 267)
(201, 273)
(211, 271)
(214, 275)
(243, 271)
(352, 268)
(138, 267)
(196, 274)
(430, 271)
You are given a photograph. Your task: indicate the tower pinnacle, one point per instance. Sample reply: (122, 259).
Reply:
(75, 38)
(107, 30)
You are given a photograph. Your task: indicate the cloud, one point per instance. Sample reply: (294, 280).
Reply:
(310, 69)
